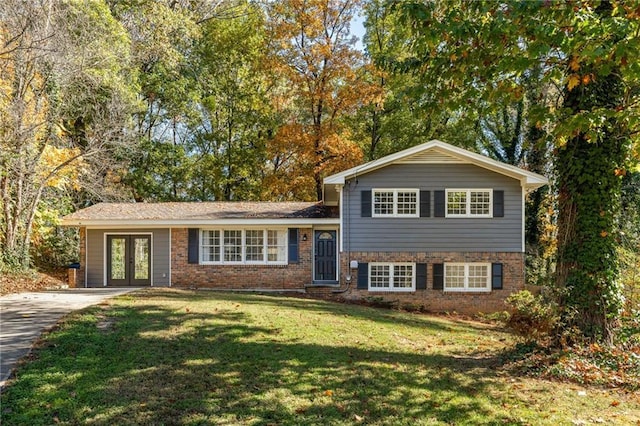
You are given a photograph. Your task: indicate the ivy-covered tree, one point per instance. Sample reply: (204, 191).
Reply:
(481, 51)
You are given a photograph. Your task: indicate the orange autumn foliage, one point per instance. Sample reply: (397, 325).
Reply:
(295, 163)
(319, 70)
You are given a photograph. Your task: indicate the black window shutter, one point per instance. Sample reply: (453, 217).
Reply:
(496, 276)
(363, 276)
(293, 245)
(498, 203)
(421, 276)
(365, 203)
(438, 276)
(425, 203)
(193, 246)
(438, 203)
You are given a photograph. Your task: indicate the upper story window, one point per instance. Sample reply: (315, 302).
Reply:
(467, 277)
(243, 246)
(469, 202)
(395, 203)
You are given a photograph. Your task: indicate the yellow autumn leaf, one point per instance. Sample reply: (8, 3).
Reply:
(562, 141)
(574, 64)
(54, 158)
(574, 80)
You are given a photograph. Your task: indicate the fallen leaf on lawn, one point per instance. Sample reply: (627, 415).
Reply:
(358, 418)
(328, 392)
(615, 403)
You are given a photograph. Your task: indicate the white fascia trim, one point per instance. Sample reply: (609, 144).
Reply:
(533, 180)
(127, 223)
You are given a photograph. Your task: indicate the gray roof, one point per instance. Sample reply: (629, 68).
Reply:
(198, 211)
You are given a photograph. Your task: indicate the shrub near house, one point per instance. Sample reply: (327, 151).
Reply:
(434, 226)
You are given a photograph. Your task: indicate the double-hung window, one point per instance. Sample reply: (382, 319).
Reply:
(392, 276)
(395, 203)
(210, 246)
(467, 277)
(232, 247)
(259, 246)
(469, 202)
(254, 245)
(276, 246)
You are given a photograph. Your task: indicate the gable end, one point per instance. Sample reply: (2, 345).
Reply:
(431, 156)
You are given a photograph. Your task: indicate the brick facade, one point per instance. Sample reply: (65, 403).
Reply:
(266, 277)
(439, 300)
(298, 276)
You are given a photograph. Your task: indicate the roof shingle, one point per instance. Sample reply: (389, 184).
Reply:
(176, 211)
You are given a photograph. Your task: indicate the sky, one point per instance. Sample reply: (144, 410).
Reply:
(357, 29)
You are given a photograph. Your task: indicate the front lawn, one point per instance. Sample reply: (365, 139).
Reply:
(184, 357)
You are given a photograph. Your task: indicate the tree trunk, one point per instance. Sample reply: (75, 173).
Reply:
(589, 207)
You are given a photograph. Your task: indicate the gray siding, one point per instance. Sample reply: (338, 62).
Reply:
(428, 234)
(160, 247)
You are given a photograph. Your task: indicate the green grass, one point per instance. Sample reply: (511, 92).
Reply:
(183, 357)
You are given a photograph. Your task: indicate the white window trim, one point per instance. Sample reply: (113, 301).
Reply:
(391, 288)
(244, 261)
(468, 203)
(466, 288)
(395, 202)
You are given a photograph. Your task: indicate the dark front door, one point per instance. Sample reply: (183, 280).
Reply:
(128, 260)
(325, 256)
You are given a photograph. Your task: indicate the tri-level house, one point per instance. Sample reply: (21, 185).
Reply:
(435, 226)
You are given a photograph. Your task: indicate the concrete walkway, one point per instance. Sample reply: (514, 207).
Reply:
(24, 316)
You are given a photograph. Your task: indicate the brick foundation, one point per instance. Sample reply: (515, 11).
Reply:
(267, 277)
(439, 300)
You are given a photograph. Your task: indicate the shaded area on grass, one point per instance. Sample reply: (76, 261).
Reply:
(169, 357)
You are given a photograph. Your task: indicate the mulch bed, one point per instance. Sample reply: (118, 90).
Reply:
(32, 281)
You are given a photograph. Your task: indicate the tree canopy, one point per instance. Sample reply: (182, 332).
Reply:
(164, 100)
(485, 54)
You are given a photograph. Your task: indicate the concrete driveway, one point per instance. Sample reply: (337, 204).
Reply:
(24, 316)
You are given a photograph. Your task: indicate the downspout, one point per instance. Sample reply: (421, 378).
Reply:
(348, 233)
